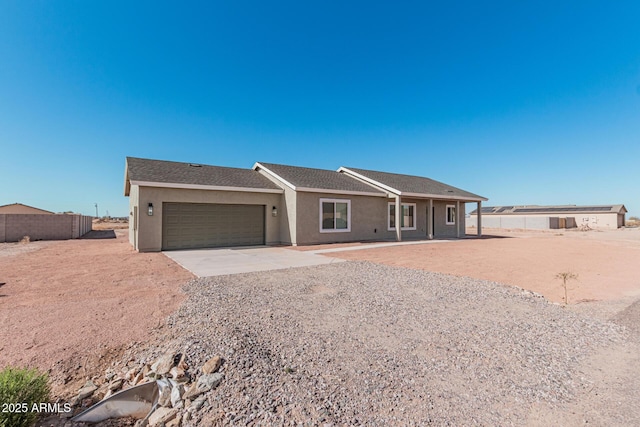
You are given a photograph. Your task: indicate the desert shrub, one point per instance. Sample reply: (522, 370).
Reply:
(565, 277)
(25, 239)
(19, 390)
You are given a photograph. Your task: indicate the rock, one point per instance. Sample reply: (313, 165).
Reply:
(116, 384)
(178, 374)
(182, 364)
(164, 397)
(197, 404)
(109, 374)
(138, 379)
(212, 365)
(176, 396)
(163, 365)
(162, 416)
(205, 383)
(130, 375)
(87, 390)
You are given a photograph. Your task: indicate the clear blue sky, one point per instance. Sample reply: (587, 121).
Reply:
(522, 102)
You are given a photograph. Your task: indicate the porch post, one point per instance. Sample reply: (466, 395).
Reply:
(398, 219)
(430, 220)
(479, 224)
(457, 219)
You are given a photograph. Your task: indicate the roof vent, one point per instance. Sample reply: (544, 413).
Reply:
(195, 165)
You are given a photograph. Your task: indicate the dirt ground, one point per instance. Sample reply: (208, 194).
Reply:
(607, 262)
(69, 306)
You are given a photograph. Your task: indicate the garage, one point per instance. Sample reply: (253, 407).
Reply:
(210, 225)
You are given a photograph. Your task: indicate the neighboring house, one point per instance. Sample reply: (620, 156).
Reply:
(184, 205)
(18, 221)
(19, 208)
(550, 217)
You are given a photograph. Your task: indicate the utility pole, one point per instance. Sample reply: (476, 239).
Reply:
(96, 210)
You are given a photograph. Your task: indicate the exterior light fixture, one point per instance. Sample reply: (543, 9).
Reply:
(274, 211)
(150, 211)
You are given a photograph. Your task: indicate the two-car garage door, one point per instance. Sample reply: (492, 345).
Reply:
(208, 225)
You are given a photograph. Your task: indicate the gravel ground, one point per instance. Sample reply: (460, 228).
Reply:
(359, 343)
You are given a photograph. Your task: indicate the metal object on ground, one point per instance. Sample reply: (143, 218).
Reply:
(137, 402)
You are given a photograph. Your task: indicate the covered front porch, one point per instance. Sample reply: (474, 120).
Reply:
(409, 208)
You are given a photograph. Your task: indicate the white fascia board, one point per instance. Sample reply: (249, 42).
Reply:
(205, 187)
(369, 180)
(444, 197)
(345, 192)
(274, 175)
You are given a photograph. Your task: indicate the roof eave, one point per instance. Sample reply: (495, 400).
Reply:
(205, 187)
(127, 184)
(345, 192)
(258, 166)
(445, 197)
(369, 181)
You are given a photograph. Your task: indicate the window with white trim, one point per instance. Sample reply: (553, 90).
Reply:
(407, 216)
(451, 215)
(335, 215)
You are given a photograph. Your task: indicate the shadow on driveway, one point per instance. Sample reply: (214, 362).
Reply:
(100, 234)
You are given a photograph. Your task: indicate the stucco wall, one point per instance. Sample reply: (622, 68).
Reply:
(288, 212)
(43, 226)
(369, 219)
(133, 214)
(149, 228)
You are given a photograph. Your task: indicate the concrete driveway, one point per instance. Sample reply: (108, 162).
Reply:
(221, 261)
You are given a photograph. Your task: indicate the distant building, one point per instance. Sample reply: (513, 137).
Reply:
(19, 208)
(534, 217)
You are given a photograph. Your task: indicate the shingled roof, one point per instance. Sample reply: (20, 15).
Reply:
(409, 185)
(193, 175)
(301, 179)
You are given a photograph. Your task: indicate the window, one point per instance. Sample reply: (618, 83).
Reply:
(407, 219)
(451, 215)
(335, 215)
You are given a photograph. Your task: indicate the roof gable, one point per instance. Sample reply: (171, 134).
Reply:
(410, 185)
(193, 175)
(317, 180)
(19, 208)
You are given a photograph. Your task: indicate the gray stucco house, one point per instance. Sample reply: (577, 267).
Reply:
(185, 205)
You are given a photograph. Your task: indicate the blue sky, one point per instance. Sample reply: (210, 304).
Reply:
(521, 102)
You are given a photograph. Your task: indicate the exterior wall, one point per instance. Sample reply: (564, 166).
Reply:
(546, 221)
(288, 217)
(369, 219)
(605, 221)
(441, 229)
(134, 193)
(43, 226)
(288, 213)
(148, 235)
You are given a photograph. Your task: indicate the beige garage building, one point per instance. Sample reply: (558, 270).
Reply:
(534, 217)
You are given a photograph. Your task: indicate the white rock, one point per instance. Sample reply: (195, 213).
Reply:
(161, 416)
